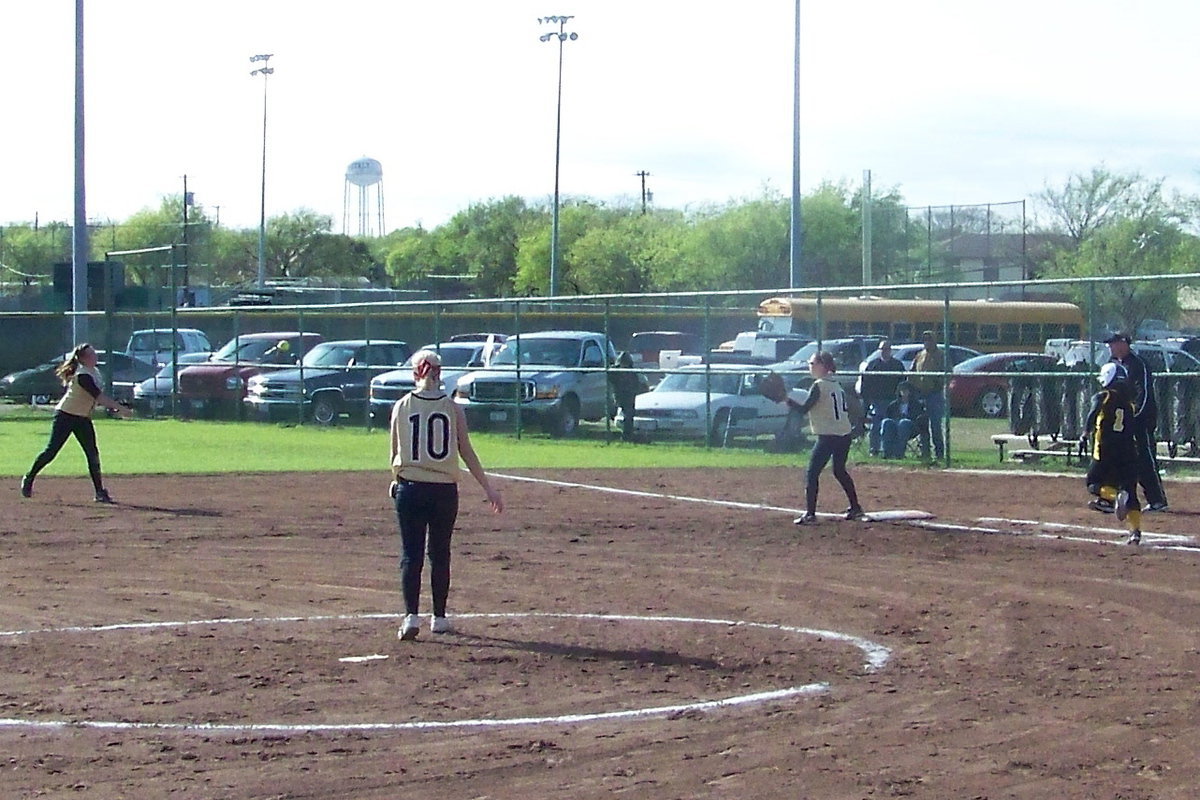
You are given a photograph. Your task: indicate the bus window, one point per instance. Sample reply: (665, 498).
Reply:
(1031, 333)
(881, 328)
(965, 332)
(1053, 331)
(836, 329)
(1010, 333)
(1073, 331)
(902, 332)
(858, 328)
(989, 333)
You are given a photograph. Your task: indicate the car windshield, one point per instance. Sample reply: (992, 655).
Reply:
(556, 352)
(979, 364)
(722, 383)
(329, 354)
(160, 340)
(451, 356)
(245, 349)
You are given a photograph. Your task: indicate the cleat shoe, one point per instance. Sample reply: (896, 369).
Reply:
(1159, 506)
(103, 497)
(1121, 506)
(27, 486)
(855, 513)
(410, 629)
(1101, 505)
(1135, 537)
(440, 625)
(807, 519)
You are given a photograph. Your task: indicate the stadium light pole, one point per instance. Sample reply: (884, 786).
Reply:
(264, 70)
(562, 35)
(797, 223)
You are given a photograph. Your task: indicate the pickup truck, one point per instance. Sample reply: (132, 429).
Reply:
(332, 380)
(217, 387)
(551, 378)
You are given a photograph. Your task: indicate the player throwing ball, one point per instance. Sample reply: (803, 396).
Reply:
(829, 417)
(428, 436)
(73, 417)
(1112, 475)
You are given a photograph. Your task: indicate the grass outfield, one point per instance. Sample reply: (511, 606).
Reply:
(176, 447)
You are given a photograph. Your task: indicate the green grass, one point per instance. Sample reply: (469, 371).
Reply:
(176, 447)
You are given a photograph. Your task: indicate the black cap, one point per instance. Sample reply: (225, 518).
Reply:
(1119, 337)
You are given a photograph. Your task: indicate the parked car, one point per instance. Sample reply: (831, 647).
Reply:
(698, 399)
(332, 380)
(39, 385)
(153, 395)
(154, 345)
(906, 354)
(458, 358)
(1160, 356)
(848, 352)
(757, 348)
(558, 380)
(217, 387)
(976, 388)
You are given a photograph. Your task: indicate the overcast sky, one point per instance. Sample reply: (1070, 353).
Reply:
(951, 101)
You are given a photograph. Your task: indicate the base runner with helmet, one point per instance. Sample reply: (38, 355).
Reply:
(1113, 473)
(428, 437)
(831, 417)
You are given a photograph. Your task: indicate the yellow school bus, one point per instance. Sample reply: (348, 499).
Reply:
(984, 325)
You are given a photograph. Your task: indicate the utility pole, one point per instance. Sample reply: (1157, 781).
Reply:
(645, 195)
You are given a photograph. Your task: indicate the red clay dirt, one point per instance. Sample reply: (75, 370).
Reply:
(1026, 662)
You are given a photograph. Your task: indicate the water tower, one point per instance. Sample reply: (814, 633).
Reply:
(364, 174)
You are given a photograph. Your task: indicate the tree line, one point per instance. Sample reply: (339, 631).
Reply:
(1101, 223)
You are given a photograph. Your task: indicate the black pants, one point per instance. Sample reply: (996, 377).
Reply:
(827, 447)
(426, 513)
(60, 430)
(1147, 466)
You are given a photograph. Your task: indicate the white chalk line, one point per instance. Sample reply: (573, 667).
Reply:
(876, 656)
(1158, 541)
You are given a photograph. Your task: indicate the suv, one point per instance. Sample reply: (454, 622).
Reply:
(332, 380)
(154, 345)
(217, 386)
(559, 379)
(458, 358)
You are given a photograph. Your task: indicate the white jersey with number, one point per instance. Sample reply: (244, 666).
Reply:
(426, 428)
(830, 415)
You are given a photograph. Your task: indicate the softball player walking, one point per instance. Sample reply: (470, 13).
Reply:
(1113, 474)
(428, 436)
(829, 417)
(73, 416)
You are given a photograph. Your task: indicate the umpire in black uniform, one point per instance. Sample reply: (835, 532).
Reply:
(1145, 418)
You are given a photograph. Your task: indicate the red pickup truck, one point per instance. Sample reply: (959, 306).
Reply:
(217, 387)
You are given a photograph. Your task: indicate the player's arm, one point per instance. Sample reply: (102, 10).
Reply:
(1089, 425)
(466, 452)
(89, 385)
(814, 394)
(395, 439)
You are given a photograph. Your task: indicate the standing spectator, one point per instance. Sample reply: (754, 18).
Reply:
(929, 364)
(903, 419)
(1112, 476)
(829, 416)
(428, 436)
(879, 382)
(625, 387)
(73, 416)
(1145, 418)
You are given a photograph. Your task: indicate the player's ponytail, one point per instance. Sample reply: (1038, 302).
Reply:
(66, 371)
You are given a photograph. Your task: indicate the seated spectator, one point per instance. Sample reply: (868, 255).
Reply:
(879, 381)
(904, 419)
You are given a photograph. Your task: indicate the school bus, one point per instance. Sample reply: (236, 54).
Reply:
(984, 325)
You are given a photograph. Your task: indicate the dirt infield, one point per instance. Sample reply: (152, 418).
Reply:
(1010, 661)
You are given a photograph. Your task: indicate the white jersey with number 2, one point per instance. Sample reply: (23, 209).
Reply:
(830, 416)
(426, 429)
